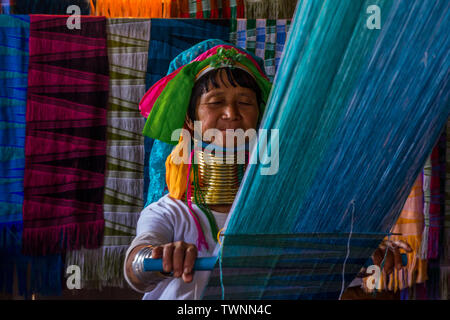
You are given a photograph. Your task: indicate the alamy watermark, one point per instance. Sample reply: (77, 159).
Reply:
(74, 277)
(74, 21)
(264, 142)
(374, 20)
(374, 280)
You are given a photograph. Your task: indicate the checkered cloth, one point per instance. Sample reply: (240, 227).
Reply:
(263, 37)
(212, 9)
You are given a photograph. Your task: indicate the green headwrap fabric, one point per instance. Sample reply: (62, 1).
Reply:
(168, 112)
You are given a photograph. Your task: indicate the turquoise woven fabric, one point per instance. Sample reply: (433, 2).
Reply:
(357, 112)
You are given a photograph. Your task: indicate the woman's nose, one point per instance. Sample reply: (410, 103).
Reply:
(231, 111)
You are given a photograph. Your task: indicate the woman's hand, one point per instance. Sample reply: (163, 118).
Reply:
(177, 257)
(393, 257)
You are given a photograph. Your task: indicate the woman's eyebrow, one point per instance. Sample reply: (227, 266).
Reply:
(214, 92)
(246, 94)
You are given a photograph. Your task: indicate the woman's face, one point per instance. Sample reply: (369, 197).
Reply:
(227, 107)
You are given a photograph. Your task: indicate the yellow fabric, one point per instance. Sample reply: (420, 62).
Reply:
(410, 225)
(176, 174)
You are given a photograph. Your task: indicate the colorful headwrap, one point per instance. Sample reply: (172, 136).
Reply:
(166, 103)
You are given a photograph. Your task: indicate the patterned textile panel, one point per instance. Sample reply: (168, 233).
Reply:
(263, 37)
(128, 41)
(445, 258)
(5, 7)
(65, 151)
(14, 60)
(211, 9)
(14, 34)
(200, 9)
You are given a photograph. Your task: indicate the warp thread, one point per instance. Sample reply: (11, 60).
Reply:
(352, 203)
(371, 155)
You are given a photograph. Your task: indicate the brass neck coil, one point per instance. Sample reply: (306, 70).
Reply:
(219, 178)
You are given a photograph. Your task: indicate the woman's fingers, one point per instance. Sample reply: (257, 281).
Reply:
(168, 257)
(178, 259)
(157, 252)
(380, 254)
(389, 262)
(389, 252)
(397, 258)
(403, 245)
(189, 261)
(397, 243)
(376, 257)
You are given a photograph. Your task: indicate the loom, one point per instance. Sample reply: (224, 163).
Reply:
(358, 111)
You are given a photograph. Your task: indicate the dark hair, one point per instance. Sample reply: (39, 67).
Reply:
(236, 77)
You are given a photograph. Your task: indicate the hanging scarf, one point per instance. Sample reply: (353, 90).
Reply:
(177, 173)
(270, 9)
(436, 199)
(410, 225)
(445, 258)
(131, 8)
(179, 179)
(128, 41)
(436, 242)
(199, 9)
(209, 9)
(65, 152)
(263, 37)
(31, 272)
(14, 34)
(5, 6)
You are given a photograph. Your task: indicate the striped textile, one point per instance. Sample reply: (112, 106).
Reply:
(13, 85)
(289, 259)
(410, 225)
(233, 9)
(48, 6)
(436, 243)
(133, 8)
(65, 150)
(426, 208)
(5, 7)
(14, 59)
(445, 258)
(263, 37)
(436, 199)
(211, 9)
(128, 41)
(199, 9)
(270, 9)
(283, 27)
(14, 34)
(170, 37)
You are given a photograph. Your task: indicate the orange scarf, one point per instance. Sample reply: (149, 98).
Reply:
(176, 174)
(134, 8)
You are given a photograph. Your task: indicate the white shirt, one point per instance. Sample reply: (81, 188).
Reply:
(168, 220)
